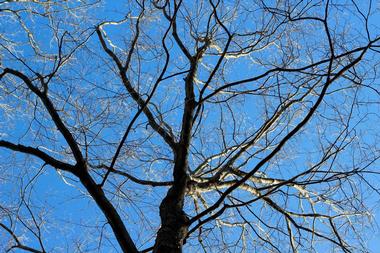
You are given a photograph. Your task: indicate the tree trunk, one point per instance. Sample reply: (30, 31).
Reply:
(174, 222)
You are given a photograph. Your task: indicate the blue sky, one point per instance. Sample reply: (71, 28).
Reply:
(89, 81)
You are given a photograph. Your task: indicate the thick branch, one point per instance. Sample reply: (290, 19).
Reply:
(124, 239)
(52, 112)
(38, 153)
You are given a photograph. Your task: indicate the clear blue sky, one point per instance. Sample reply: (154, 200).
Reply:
(61, 199)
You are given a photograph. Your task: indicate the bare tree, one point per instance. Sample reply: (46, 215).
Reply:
(196, 126)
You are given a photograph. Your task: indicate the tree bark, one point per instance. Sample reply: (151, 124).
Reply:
(174, 223)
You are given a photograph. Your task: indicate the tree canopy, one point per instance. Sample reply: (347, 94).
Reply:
(189, 126)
